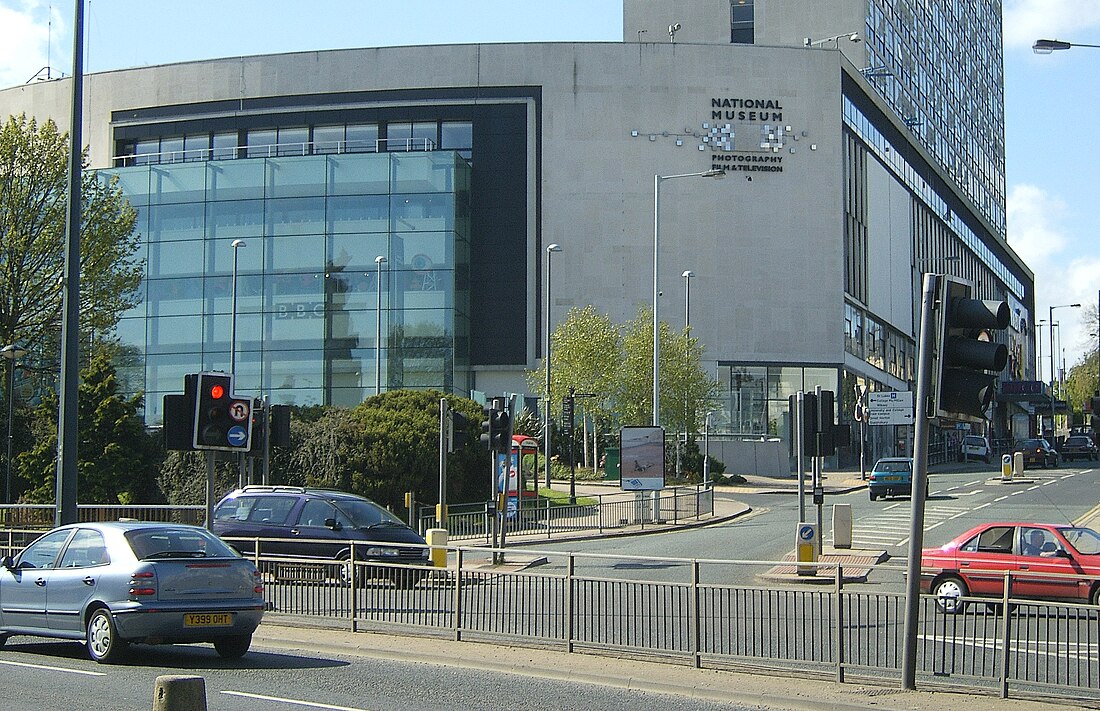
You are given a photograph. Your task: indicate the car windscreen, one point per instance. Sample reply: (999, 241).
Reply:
(1078, 441)
(1085, 540)
(366, 513)
(153, 543)
(892, 467)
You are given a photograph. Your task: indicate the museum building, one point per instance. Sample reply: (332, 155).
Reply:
(387, 211)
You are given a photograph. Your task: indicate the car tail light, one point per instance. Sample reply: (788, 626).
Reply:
(143, 583)
(258, 579)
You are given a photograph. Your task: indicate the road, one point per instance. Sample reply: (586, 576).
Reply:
(48, 675)
(958, 500)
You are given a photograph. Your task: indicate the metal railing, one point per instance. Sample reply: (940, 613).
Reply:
(705, 613)
(42, 515)
(597, 513)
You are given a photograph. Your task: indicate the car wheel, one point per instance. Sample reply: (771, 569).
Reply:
(948, 591)
(104, 645)
(988, 459)
(3, 639)
(233, 647)
(1094, 597)
(874, 496)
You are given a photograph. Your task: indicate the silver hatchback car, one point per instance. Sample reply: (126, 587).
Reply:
(97, 581)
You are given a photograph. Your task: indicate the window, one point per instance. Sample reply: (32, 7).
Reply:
(85, 550)
(43, 552)
(742, 25)
(992, 540)
(316, 512)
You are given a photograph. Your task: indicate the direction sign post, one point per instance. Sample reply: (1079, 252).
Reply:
(890, 408)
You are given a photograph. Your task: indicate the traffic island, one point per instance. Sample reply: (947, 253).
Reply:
(855, 566)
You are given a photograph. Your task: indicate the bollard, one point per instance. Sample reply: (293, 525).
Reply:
(175, 692)
(1006, 467)
(842, 525)
(437, 538)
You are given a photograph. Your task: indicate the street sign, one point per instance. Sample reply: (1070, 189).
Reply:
(237, 436)
(890, 408)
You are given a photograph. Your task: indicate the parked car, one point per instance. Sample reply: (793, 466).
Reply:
(100, 581)
(1048, 561)
(296, 522)
(975, 447)
(1080, 447)
(892, 476)
(1037, 452)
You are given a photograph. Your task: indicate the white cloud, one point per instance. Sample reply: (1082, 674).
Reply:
(1025, 21)
(25, 39)
(1035, 232)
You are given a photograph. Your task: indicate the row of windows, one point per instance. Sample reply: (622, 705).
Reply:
(299, 141)
(349, 177)
(875, 342)
(923, 191)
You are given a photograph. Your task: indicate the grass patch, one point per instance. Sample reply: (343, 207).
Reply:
(559, 497)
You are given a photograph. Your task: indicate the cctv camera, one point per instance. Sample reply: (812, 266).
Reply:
(854, 37)
(674, 27)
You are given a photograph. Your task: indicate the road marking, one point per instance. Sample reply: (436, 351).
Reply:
(1017, 493)
(891, 506)
(987, 503)
(1048, 483)
(1002, 498)
(49, 668)
(294, 702)
(972, 483)
(1067, 476)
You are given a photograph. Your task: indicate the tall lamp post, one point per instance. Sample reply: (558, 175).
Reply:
(237, 244)
(657, 180)
(687, 275)
(1053, 429)
(550, 249)
(378, 261)
(11, 353)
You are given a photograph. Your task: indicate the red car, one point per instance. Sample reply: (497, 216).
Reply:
(1046, 561)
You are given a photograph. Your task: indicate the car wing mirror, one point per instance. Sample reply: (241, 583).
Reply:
(333, 524)
(8, 562)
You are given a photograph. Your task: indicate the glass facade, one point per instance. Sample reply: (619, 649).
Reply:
(940, 66)
(308, 297)
(753, 399)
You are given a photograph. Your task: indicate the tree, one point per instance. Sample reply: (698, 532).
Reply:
(117, 461)
(585, 352)
(33, 198)
(684, 385)
(1083, 379)
(616, 363)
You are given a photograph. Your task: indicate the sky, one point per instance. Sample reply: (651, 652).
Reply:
(1051, 101)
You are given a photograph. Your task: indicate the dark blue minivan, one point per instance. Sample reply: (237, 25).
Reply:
(301, 523)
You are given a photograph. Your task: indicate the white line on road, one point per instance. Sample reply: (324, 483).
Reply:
(1017, 493)
(1002, 498)
(1033, 488)
(1048, 483)
(49, 668)
(295, 702)
(987, 503)
(1067, 476)
(972, 483)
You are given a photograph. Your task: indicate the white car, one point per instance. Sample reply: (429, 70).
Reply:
(975, 447)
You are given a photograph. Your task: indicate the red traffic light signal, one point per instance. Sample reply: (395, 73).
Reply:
(217, 391)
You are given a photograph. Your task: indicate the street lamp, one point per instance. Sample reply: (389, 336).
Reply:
(1053, 429)
(1046, 46)
(237, 244)
(378, 326)
(850, 36)
(657, 180)
(687, 275)
(550, 249)
(11, 353)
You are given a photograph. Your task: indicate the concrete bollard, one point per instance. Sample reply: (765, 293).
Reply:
(174, 692)
(437, 538)
(842, 525)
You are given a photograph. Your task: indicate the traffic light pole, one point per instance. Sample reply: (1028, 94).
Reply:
(441, 511)
(920, 480)
(210, 490)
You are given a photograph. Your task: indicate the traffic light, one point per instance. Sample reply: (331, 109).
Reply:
(967, 359)
(456, 430)
(502, 431)
(487, 428)
(222, 421)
